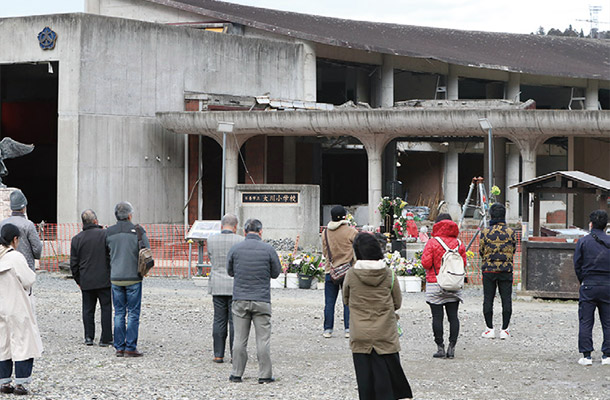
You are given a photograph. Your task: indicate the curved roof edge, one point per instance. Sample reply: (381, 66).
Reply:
(521, 53)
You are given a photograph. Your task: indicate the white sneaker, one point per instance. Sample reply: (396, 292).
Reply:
(504, 334)
(605, 360)
(347, 334)
(327, 334)
(585, 361)
(489, 333)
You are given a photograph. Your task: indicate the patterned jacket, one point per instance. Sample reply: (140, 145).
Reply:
(497, 246)
(221, 284)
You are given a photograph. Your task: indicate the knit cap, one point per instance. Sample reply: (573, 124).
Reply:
(18, 200)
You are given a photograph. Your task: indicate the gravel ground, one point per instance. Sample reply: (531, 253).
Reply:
(538, 362)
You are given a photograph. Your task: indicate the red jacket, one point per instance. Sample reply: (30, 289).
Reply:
(433, 253)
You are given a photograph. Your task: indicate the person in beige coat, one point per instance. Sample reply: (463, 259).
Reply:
(20, 339)
(373, 295)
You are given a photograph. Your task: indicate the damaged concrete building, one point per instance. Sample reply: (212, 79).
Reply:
(126, 105)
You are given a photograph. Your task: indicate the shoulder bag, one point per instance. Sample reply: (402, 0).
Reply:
(145, 258)
(337, 274)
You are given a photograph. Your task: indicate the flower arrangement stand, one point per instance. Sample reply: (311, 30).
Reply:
(292, 281)
(278, 283)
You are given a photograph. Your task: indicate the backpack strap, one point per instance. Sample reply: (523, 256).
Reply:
(438, 239)
(598, 240)
(330, 254)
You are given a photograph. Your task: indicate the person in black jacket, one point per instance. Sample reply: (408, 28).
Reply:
(90, 267)
(592, 267)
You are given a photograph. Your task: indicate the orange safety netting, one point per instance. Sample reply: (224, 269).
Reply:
(171, 250)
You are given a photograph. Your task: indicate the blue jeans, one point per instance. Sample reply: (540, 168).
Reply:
(127, 301)
(331, 291)
(23, 371)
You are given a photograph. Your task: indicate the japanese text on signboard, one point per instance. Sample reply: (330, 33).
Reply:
(289, 198)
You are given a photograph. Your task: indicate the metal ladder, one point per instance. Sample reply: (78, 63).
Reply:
(577, 98)
(480, 203)
(440, 89)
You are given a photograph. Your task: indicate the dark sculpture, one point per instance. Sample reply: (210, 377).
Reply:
(10, 148)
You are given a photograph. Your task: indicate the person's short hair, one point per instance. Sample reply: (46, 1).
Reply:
(366, 247)
(497, 211)
(337, 213)
(442, 217)
(88, 216)
(8, 233)
(253, 225)
(599, 219)
(122, 210)
(229, 220)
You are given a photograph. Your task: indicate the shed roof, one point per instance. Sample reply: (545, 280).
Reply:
(576, 176)
(533, 54)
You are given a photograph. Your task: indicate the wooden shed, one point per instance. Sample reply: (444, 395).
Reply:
(547, 268)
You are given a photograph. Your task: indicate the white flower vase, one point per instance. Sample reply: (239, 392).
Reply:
(412, 284)
(278, 283)
(292, 281)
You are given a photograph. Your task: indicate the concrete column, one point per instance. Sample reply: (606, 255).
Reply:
(499, 161)
(231, 171)
(452, 84)
(528, 169)
(363, 87)
(290, 156)
(387, 81)
(592, 94)
(309, 72)
(450, 183)
(374, 151)
(570, 197)
(513, 87)
(512, 178)
(92, 6)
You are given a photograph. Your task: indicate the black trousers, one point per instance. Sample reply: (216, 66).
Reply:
(90, 299)
(593, 297)
(504, 282)
(380, 377)
(437, 321)
(223, 317)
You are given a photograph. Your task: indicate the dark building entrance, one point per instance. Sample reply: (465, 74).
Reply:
(28, 114)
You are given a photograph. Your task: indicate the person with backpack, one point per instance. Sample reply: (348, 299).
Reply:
(436, 258)
(496, 248)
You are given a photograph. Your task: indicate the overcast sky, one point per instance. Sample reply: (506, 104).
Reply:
(517, 16)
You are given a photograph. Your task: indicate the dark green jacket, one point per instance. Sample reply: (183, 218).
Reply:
(497, 246)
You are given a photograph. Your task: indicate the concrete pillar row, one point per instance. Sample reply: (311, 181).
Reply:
(309, 72)
(452, 83)
(592, 94)
(513, 87)
(387, 81)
